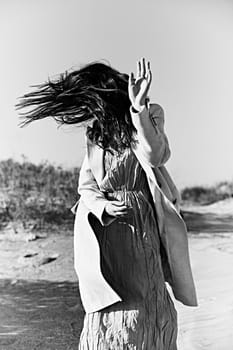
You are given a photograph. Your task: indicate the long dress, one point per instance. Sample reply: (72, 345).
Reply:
(146, 319)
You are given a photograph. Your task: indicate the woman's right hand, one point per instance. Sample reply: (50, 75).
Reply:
(138, 87)
(116, 208)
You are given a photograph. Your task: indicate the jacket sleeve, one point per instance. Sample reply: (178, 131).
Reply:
(91, 195)
(152, 142)
(174, 190)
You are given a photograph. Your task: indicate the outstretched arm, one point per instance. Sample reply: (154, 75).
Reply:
(152, 143)
(149, 122)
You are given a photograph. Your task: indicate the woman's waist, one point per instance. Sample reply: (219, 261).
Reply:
(120, 190)
(126, 194)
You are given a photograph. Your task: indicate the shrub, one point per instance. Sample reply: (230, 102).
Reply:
(207, 195)
(42, 193)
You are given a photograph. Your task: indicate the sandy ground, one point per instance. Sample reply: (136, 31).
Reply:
(209, 326)
(49, 258)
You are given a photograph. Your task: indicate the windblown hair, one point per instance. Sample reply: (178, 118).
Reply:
(96, 93)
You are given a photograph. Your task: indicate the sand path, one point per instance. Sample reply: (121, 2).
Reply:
(210, 326)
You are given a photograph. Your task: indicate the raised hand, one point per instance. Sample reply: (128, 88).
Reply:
(138, 87)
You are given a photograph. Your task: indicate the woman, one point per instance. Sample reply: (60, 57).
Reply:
(129, 237)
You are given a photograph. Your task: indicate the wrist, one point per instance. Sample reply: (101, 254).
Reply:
(138, 108)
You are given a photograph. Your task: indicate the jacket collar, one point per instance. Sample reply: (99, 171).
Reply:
(96, 161)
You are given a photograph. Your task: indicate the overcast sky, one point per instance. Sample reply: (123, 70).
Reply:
(189, 44)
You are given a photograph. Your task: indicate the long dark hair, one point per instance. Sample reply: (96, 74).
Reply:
(97, 93)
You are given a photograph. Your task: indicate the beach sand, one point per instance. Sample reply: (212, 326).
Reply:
(208, 326)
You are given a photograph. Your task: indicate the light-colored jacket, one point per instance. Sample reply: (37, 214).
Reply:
(152, 151)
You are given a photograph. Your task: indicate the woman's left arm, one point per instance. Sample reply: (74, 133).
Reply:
(152, 141)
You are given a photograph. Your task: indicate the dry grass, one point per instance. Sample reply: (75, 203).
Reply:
(37, 195)
(207, 195)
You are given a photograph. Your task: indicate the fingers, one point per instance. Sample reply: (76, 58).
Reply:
(148, 73)
(123, 209)
(117, 208)
(131, 79)
(118, 203)
(143, 69)
(121, 213)
(138, 69)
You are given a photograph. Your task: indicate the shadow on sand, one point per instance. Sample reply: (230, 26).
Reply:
(39, 315)
(208, 222)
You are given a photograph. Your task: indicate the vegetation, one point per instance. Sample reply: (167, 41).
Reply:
(40, 196)
(207, 195)
(37, 195)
